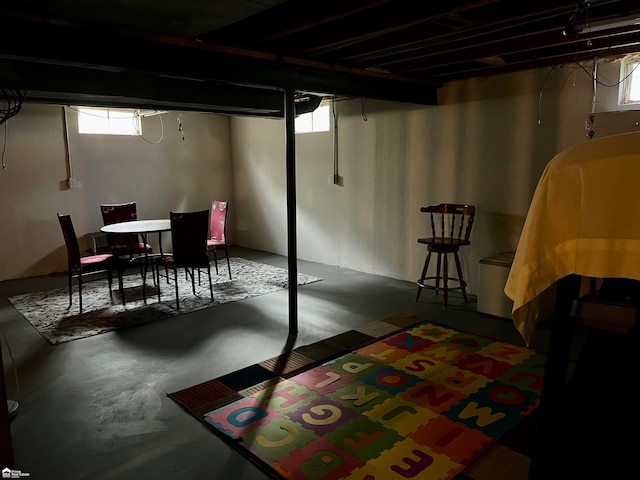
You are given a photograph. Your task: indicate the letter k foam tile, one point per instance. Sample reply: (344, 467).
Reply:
(420, 404)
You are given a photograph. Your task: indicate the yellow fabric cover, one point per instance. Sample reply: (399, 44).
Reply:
(584, 219)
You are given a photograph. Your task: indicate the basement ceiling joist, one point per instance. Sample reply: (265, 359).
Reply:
(399, 50)
(78, 56)
(55, 84)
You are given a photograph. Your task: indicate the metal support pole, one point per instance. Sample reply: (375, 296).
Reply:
(290, 134)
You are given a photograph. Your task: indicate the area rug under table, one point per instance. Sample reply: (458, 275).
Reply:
(421, 402)
(51, 316)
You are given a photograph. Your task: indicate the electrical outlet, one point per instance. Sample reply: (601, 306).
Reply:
(73, 183)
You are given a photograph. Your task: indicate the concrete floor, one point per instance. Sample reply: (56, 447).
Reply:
(97, 408)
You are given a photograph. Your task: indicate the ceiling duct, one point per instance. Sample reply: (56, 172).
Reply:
(150, 113)
(305, 103)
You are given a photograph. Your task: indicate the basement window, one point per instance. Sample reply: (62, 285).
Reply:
(316, 121)
(630, 80)
(109, 121)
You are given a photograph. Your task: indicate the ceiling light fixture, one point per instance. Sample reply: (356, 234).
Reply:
(607, 25)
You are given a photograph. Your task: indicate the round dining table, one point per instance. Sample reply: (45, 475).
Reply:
(142, 228)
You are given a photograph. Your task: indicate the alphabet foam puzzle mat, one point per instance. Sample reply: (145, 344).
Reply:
(421, 403)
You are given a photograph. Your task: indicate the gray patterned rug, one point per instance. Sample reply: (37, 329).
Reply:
(51, 316)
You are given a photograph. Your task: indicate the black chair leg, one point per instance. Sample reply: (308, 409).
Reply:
(175, 278)
(193, 280)
(228, 264)
(210, 283)
(70, 288)
(80, 290)
(121, 271)
(159, 282)
(215, 259)
(110, 280)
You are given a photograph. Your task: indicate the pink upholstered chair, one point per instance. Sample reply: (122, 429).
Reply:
(78, 265)
(218, 232)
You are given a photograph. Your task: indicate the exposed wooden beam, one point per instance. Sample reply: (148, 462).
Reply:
(152, 55)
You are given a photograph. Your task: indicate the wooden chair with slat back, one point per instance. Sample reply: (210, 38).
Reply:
(451, 225)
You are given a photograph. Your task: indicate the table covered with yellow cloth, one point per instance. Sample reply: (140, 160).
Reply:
(584, 219)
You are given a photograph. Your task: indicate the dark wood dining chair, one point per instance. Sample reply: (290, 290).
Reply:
(78, 265)
(123, 244)
(217, 241)
(451, 225)
(189, 232)
(128, 249)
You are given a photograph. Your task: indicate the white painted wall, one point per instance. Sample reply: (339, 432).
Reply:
(486, 144)
(482, 145)
(174, 174)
